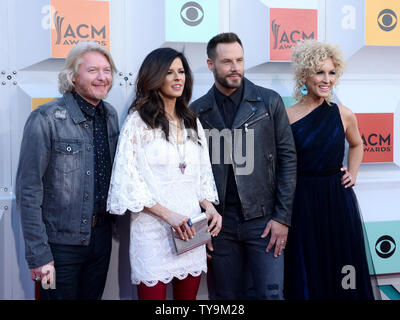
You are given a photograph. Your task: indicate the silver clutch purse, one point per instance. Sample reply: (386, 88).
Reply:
(201, 237)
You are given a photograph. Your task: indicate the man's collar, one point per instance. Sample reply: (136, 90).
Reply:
(235, 97)
(86, 107)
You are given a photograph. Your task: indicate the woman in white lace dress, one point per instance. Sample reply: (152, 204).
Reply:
(162, 175)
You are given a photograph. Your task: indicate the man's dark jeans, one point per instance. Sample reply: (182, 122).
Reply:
(241, 267)
(81, 271)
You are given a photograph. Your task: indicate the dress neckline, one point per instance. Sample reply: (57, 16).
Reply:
(173, 133)
(311, 112)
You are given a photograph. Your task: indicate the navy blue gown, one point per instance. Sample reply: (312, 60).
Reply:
(326, 232)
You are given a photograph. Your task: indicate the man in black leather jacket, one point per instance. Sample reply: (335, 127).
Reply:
(256, 190)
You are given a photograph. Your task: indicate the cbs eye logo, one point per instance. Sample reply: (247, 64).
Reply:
(387, 20)
(385, 247)
(192, 13)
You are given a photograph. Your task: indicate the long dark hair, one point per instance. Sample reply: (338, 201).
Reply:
(149, 103)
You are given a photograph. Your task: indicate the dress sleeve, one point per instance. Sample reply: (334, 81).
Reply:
(128, 189)
(207, 189)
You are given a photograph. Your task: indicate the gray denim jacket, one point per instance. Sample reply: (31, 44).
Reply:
(55, 185)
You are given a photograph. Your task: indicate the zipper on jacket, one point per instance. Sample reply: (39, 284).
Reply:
(271, 170)
(255, 120)
(252, 114)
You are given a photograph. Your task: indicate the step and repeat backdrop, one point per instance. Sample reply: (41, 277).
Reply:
(37, 35)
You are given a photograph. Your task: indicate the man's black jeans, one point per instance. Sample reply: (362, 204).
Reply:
(81, 271)
(240, 257)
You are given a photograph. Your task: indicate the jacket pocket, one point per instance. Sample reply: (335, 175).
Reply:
(68, 156)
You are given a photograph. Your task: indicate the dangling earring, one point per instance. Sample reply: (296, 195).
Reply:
(304, 90)
(331, 95)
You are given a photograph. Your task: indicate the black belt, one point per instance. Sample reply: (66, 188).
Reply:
(324, 173)
(100, 220)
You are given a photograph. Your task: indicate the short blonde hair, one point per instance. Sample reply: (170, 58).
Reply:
(307, 57)
(73, 61)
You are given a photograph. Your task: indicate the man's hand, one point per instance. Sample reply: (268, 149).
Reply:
(209, 250)
(216, 221)
(44, 273)
(279, 234)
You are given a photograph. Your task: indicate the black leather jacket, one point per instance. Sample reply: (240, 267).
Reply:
(267, 187)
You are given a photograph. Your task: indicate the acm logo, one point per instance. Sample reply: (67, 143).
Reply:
(288, 27)
(285, 40)
(72, 32)
(75, 34)
(376, 130)
(376, 142)
(73, 21)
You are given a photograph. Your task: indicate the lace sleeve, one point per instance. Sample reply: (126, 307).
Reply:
(128, 189)
(207, 188)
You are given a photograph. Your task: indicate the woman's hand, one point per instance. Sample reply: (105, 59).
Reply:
(180, 224)
(347, 179)
(216, 221)
(177, 221)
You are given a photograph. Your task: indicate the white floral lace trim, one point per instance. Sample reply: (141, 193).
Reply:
(146, 172)
(207, 189)
(152, 283)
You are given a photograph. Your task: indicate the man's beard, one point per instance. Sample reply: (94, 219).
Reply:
(224, 82)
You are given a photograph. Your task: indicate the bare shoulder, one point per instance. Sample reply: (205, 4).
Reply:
(349, 119)
(292, 112)
(346, 113)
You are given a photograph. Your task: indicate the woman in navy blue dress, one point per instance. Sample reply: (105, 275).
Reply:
(325, 256)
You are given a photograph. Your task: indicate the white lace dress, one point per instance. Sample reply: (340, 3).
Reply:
(145, 172)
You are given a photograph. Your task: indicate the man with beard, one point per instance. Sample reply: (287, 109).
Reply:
(255, 204)
(63, 177)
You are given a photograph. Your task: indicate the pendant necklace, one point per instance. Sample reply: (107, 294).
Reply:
(182, 163)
